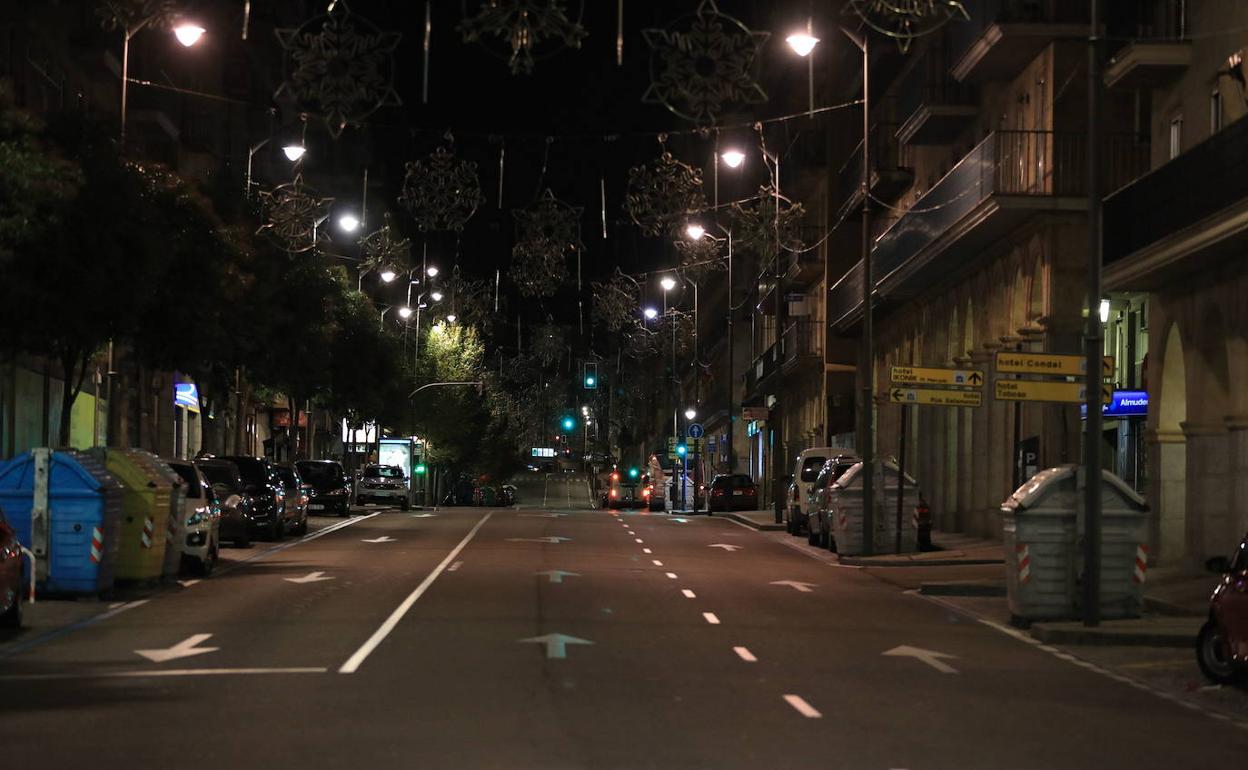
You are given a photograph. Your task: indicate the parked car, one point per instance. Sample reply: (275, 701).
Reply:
(1222, 644)
(268, 495)
(809, 463)
(200, 527)
(329, 486)
(296, 494)
(652, 496)
(507, 495)
(385, 484)
(230, 494)
(818, 520)
(10, 576)
(732, 492)
(618, 491)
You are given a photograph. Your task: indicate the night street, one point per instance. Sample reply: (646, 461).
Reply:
(547, 638)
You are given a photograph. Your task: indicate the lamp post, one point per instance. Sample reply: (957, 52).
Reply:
(187, 34)
(695, 232)
(293, 152)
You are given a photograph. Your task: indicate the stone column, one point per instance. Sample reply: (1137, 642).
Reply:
(980, 458)
(963, 473)
(1167, 495)
(1236, 481)
(1207, 493)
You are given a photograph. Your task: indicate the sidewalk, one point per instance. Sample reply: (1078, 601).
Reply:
(760, 520)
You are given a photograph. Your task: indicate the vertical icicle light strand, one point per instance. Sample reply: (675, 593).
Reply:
(619, 35)
(502, 156)
(424, 85)
(602, 187)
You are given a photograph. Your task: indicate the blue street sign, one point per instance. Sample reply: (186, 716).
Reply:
(1124, 403)
(696, 431)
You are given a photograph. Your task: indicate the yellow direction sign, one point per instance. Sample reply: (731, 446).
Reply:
(1049, 363)
(929, 375)
(932, 397)
(1040, 390)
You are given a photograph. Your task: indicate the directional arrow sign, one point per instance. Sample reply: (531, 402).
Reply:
(311, 577)
(1049, 363)
(556, 644)
(931, 397)
(382, 539)
(930, 657)
(1040, 390)
(557, 575)
(538, 539)
(183, 649)
(799, 585)
(928, 375)
(725, 546)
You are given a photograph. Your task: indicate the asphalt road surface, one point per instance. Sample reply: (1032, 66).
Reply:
(559, 637)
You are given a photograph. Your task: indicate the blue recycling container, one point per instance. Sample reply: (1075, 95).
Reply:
(84, 504)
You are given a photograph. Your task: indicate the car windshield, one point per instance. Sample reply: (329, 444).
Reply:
(811, 467)
(319, 472)
(1239, 562)
(251, 469)
(218, 474)
(192, 481)
(288, 477)
(383, 472)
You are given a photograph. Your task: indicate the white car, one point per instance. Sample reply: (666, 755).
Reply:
(805, 471)
(382, 484)
(198, 532)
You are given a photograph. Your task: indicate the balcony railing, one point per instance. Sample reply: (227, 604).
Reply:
(933, 108)
(983, 47)
(1207, 178)
(1006, 164)
(1156, 50)
(803, 339)
(890, 171)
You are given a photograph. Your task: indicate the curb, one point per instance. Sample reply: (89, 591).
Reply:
(958, 588)
(1162, 607)
(772, 527)
(1110, 637)
(877, 561)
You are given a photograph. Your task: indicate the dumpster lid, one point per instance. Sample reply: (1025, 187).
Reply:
(19, 473)
(1039, 486)
(852, 477)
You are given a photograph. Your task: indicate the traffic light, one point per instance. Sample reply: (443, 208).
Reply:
(633, 473)
(568, 423)
(682, 450)
(420, 469)
(590, 377)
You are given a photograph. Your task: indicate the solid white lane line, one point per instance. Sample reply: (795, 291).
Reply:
(744, 654)
(353, 663)
(688, 594)
(657, 563)
(163, 673)
(305, 539)
(803, 708)
(672, 575)
(711, 618)
(646, 550)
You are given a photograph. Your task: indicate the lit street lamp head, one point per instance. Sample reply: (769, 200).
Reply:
(349, 223)
(387, 275)
(733, 158)
(695, 231)
(293, 152)
(431, 271)
(690, 413)
(650, 312)
(436, 296)
(668, 283)
(450, 318)
(802, 43)
(188, 34)
(405, 312)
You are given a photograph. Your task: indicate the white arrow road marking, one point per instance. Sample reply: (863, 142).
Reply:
(311, 577)
(725, 546)
(543, 515)
(930, 657)
(799, 585)
(744, 654)
(422, 515)
(556, 644)
(803, 708)
(187, 583)
(688, 594)
(454, 566)
(183, 649)
(382, 539)
(555, 540)
(711, 618)
(557, 575)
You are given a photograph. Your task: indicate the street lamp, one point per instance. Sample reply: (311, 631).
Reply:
(436, 296)
(450, 318)
(188, 34)
(350, 223)
(733, 158)
(431, 271)
(387, 275)
(668, 283)
(650, 313)
(405, 312)
(691, 413)
(803, 44)
(294, 152)
(695, 231)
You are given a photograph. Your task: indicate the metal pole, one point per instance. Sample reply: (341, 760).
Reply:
(125, 83)
(778, 447)
(1093, 345)
(732, 418)
(866, 373)
(901, 471)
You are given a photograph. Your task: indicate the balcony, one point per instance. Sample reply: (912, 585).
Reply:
(1009, 178)
(762, 367)
(807, 265)
(1003, 36)
(1158, 51)
(801, 342)
(1185, 215)
(890, 172)
(933, 109)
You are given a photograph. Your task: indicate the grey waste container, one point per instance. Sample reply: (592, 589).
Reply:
(845, 507)
(1042, 530)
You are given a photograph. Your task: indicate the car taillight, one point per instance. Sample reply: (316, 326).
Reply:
(614, 493)
(751, 491)
(645, 492)
(717, 493)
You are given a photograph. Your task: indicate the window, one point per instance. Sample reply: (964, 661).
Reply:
(1176, 136)
(1215, 112)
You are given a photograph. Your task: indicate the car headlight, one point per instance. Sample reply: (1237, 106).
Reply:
(198, 517)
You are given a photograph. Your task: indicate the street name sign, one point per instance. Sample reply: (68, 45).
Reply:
(1040, 390)
(1049, 363)
(929, 375)
(932, 397)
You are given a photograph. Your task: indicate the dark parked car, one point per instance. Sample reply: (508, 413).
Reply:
(329, 486)
(1222, 645)
(262, 484)
(10, 576)
(230, 493)
(732, 492)
(296, 495)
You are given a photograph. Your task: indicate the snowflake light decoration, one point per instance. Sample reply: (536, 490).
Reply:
(615, 301)
(545, 233)
(339, 66)
(442, 193)
(294, 216)
(905, 20)
(663, 195)
(530, 29)
(386, 247)
(701, 257)
(698, 71)
(755, 226)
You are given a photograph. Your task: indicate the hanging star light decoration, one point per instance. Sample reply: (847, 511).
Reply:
(755, 224)
(386, 246)
(294, 216)
(545, 233)
(705, 66)
(662, 195)
(339, 66)
(905, 20)
(529, 29)
(441, 193)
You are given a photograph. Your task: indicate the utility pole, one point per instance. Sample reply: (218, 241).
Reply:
(1093, 342)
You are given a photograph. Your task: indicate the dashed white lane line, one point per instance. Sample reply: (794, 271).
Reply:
(803, 708)
(744, 654)
(671, 575)
(711, 618)
(646, 550)
(688, 594)
(639, 540)
(657, 563)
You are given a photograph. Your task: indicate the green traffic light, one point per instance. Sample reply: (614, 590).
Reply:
(420, 469)
(682, 450)
(568, 423)
(633, 473)
(590, 382)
